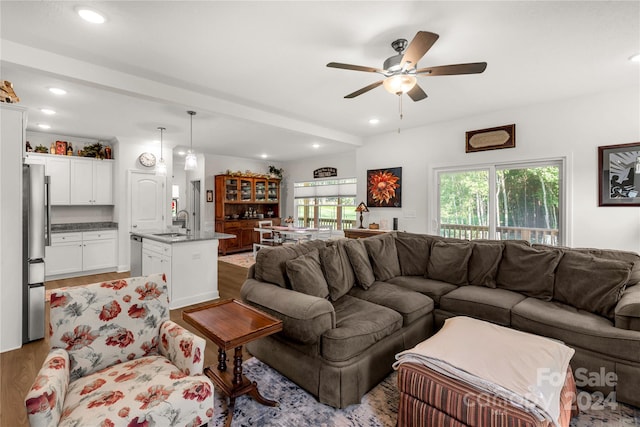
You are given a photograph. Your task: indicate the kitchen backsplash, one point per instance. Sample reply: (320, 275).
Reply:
(80, 214)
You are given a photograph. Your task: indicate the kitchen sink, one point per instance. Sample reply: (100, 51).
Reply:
(169, 234)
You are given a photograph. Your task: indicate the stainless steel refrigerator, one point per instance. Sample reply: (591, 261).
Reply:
(36, 231)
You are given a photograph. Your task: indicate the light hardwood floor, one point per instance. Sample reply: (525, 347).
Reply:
(19, 368)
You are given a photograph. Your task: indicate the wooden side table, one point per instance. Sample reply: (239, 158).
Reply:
(231, 324)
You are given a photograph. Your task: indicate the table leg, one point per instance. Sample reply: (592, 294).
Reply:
(222, 360)
(237, 367)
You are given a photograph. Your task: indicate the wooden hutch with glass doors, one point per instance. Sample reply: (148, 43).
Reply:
(242, 201)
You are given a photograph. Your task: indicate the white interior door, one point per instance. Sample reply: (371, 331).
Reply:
(147, 201)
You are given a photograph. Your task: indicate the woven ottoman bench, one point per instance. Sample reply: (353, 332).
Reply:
(477, 374)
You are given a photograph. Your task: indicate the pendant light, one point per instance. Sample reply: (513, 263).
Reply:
(161, 166)
(191, 161)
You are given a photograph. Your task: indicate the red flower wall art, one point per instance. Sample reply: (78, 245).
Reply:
(384, 188)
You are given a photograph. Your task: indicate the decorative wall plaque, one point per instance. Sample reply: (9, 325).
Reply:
(491, 139)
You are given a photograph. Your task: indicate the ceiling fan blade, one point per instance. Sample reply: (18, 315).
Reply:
(364, 89)
(416, 93)
(450, 70)
(420, 44)
(354, 67)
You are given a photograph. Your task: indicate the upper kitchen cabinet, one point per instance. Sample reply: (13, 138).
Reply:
(91, 182)
(57, 169)
(76, 180)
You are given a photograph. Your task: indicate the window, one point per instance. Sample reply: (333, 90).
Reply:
(325, 203)
(503, 202)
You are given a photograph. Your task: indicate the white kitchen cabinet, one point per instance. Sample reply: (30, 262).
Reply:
(156, 258)
(64, 256)
(91, 182)
(98, 249)
(77, 253)
(57, 168)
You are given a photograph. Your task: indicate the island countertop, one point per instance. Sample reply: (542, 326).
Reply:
(164, 236)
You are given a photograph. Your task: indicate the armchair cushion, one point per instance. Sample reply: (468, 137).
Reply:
(124, 394)
(44, 400)
(100, 324)
(183, 348)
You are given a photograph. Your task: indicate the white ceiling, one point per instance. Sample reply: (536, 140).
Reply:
(256, 71)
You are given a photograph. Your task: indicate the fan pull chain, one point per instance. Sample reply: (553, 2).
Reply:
(400, 108)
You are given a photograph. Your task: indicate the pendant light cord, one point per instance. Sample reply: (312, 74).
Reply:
(161, 129)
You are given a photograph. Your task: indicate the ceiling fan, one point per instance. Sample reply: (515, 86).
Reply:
(401, 70)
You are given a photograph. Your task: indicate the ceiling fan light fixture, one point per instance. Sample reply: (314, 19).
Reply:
(400, 83)
(191, 161)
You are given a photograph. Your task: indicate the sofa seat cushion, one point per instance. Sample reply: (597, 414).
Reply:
(134, 392)
(434, 289)
(410, 304)
(359, 325)
(575, 327)
(489, 304)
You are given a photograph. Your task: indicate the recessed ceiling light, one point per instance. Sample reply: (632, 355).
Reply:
(181, 153)
(91, 15)
(57, 91)
(374, 121)
(47, 111)
(316, 145)
(635, 58)
(264, 156)
(44, 126)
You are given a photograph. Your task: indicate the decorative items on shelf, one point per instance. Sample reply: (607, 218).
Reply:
(276, 172)
(249, 174)
(40, 149)
(28, 147)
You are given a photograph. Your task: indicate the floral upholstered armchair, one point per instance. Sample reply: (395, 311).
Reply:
(117, 360)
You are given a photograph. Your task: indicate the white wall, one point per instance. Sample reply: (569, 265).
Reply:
(11, 140)
(302, 170)
(571, 128)
(126, 152)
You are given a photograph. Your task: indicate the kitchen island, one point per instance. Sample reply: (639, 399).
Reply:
(189, 262)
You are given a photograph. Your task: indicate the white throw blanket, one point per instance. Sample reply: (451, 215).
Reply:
(525, 369)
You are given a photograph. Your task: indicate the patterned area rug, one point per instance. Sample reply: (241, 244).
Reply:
(379, 407)
(298, 408)
(244, 259)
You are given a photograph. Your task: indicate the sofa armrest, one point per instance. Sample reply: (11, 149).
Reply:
(304, 317)
(627, 312)
(184, 348)
(45, 398)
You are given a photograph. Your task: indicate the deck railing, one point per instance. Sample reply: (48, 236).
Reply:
(471, 232)
(332, 223)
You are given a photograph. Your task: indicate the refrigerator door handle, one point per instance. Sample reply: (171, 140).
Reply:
(47, 234)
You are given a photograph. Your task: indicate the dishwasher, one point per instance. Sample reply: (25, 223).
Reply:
(136, 256)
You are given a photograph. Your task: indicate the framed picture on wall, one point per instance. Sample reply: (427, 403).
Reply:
(619, 175)
(384, 188)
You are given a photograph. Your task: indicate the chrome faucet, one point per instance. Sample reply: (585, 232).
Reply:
(186, 224)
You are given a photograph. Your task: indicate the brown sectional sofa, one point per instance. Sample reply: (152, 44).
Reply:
(348, 306)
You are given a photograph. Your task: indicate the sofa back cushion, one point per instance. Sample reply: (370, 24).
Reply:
(270, 263)
(413, 253)
(528, 270)
(591, 283)
(337, 268)
(484, 262)
(109, 322)
(360, 262)
(305, 275)
(383, 256)
(448, 262)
